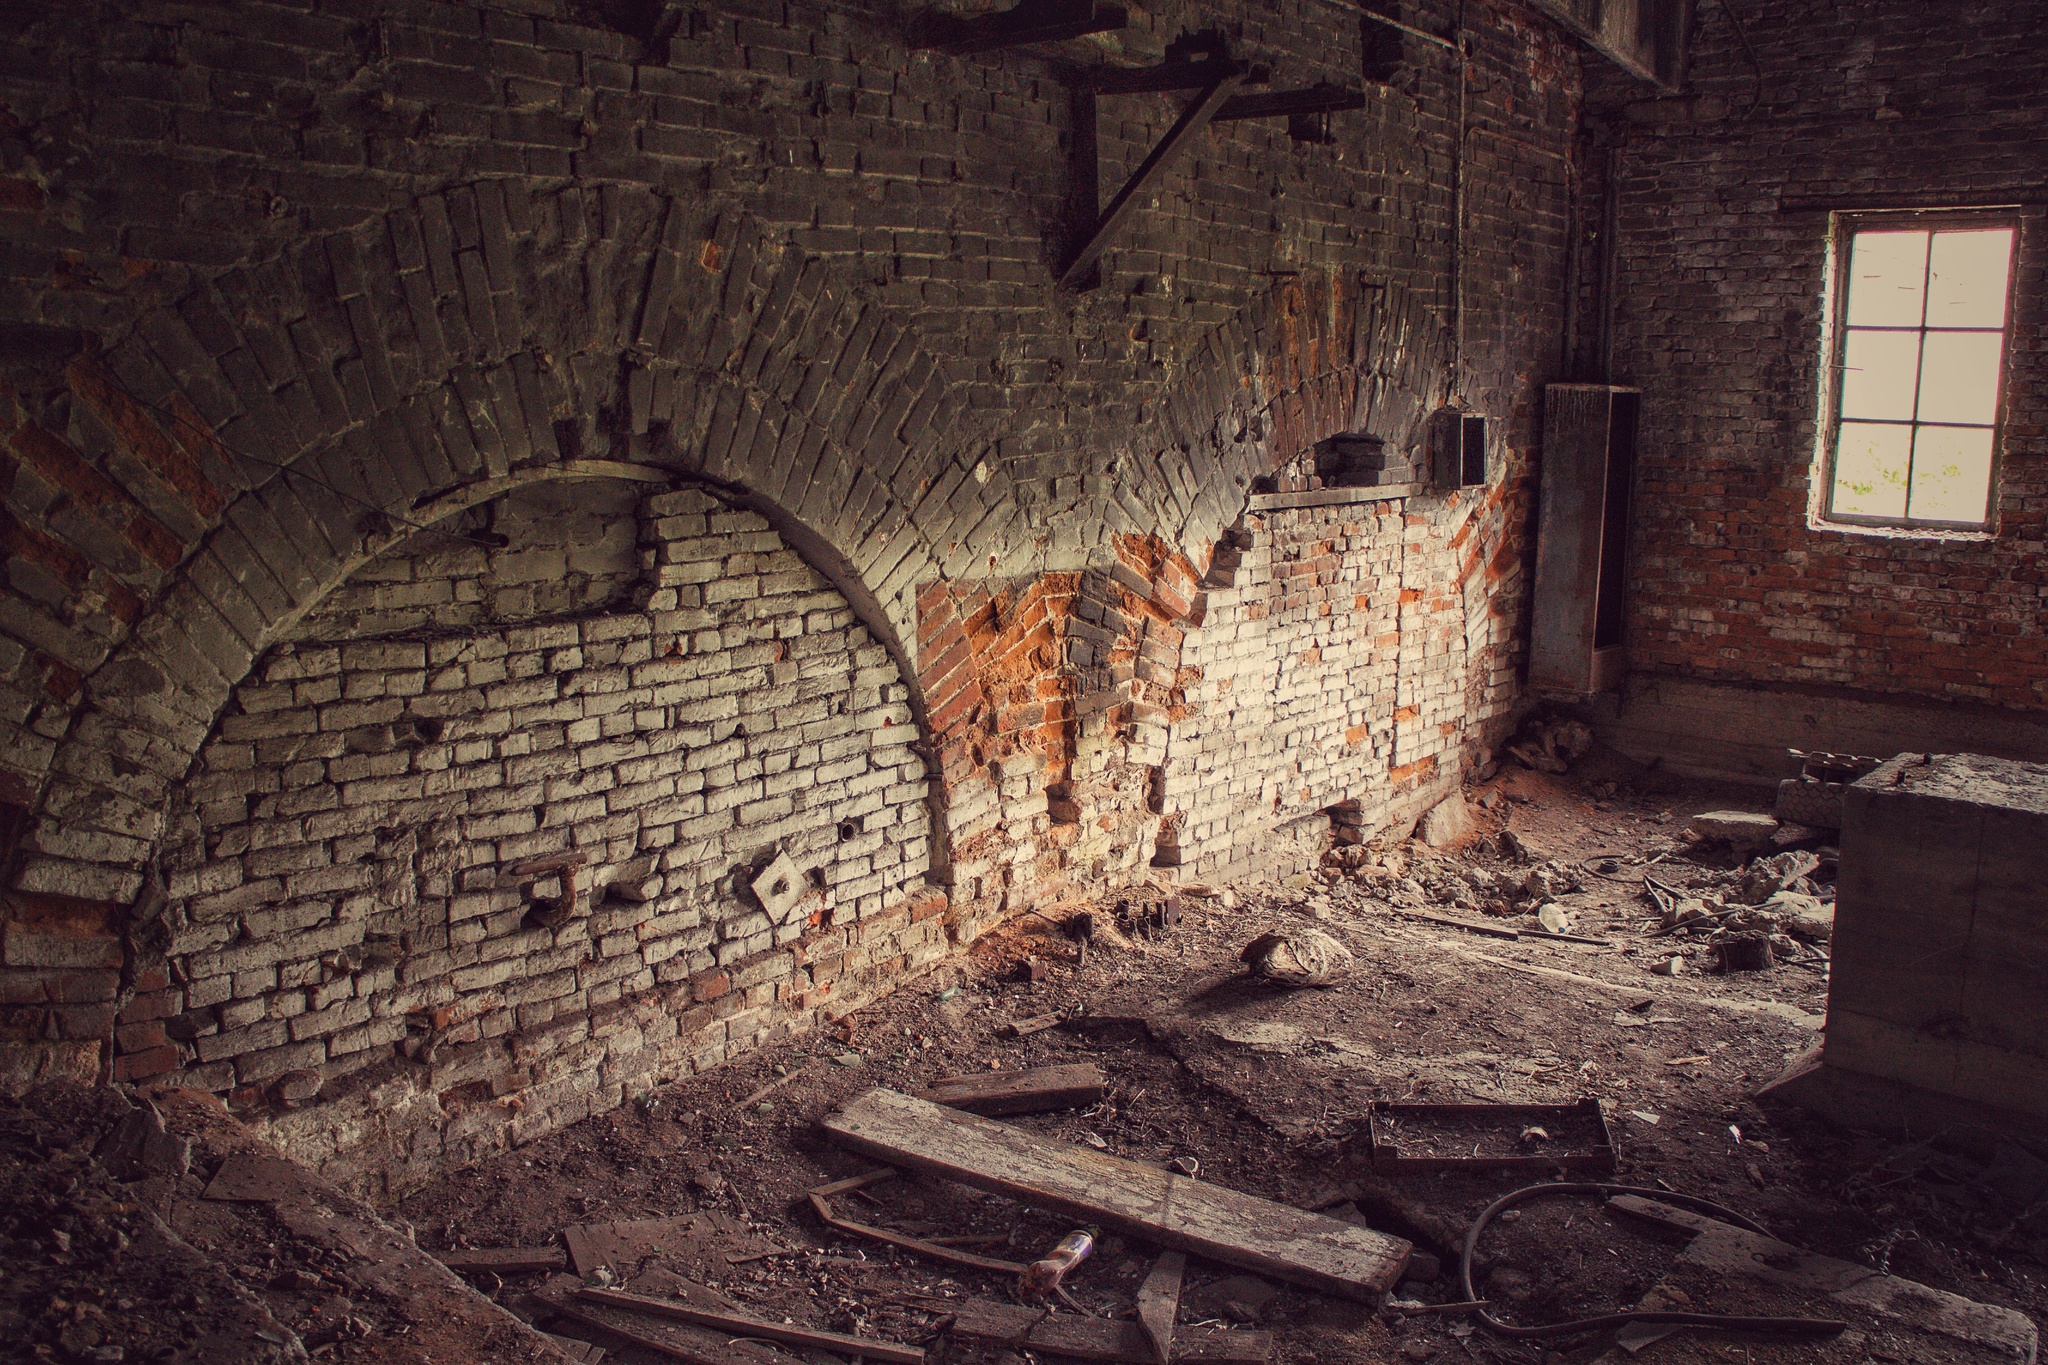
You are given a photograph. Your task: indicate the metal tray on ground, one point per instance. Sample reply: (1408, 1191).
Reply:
(1432, 1137)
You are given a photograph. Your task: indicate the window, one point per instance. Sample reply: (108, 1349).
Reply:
(1919, 351)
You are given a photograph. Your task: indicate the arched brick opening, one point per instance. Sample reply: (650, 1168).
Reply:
(263, 463)
(379, 952)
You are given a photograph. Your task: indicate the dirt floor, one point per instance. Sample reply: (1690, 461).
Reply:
(1264, 1090)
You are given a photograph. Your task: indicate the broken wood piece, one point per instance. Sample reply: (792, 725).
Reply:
(682, 1341)
(771, 1087)
(1021, 1092)
(576, 1350)
(503, 1260)
(1176, 1211)
(820, 1204)
(1083, 1338)
(1490, 930)
(1159, 1301)
(1024, 1028)
(741, 1324)
(626, 1246)
(1729, 1252)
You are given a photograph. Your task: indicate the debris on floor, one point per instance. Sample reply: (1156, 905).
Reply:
(1032, 1091)
(1172, 1103)
(1176, 1211)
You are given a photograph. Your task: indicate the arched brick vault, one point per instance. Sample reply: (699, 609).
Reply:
(261, 438)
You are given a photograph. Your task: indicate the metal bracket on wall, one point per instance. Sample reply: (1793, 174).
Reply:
(1029, 21)
(1216, 76)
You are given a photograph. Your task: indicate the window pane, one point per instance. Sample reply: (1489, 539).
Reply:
(1951, 474)
(1878, 373)
(1870, 470)
(1959, 377)
(1967, 288)
(1887, 275)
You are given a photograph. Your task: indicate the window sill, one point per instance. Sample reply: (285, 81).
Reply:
(1946, 534)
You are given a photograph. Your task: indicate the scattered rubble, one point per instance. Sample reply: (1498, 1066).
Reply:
(1198, 1076)
(1446, 823)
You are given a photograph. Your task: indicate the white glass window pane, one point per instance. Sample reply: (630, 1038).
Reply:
(1870, 470)
(1959, 377)
(1887, 277)
(1878, 372)
(1966, 287)
(1951, 475)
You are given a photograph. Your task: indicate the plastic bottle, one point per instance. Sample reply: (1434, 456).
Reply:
(1045, 1276)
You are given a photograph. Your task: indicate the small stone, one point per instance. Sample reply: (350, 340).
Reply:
(849, 1059)
(1447, 822)
(1670, 966)
(1804, 917)
(1744, 829)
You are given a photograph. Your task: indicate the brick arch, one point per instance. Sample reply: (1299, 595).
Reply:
(280, 424)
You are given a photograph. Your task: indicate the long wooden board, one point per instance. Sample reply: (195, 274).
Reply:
(504, 1260)
(1173, 1211)
(1067, 1334)
(682, 1341)
(747, 1325)
(1021, 1092)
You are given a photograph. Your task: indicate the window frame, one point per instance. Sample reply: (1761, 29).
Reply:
(1843, 228)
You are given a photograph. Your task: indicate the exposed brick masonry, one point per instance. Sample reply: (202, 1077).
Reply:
(277, 281)
(1718, 317)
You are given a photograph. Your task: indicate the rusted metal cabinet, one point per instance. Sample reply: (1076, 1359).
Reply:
(1576, 644)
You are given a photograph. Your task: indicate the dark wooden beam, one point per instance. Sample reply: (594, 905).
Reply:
(1321, 98)
(1645, 38)
(1029, 21)
(1193, 120)
(1146, 80)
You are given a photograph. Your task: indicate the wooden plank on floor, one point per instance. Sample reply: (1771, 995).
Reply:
(1081, 1338)
(1159, 1303)
(1173, 1211)
(504, 1260)
(1032, 1091)
(682, 1341)
(747, 1325)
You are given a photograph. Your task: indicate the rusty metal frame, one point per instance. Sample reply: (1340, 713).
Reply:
(1385, 1156)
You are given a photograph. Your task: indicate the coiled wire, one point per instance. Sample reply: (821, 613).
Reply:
(1726, 1322)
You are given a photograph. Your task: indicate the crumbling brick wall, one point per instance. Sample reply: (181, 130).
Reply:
(277, 282)
(1723, 197)
(347, 928)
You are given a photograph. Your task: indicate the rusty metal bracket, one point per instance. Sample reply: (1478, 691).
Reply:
(1200, 62)
(820, 1198)
(551, 912)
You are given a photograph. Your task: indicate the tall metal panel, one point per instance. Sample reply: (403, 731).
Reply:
(1575, 645)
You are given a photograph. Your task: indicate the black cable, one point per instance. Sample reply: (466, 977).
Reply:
(1727, 1322)
(1756, 68)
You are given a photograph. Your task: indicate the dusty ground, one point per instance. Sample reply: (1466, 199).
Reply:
(1265, 1088)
